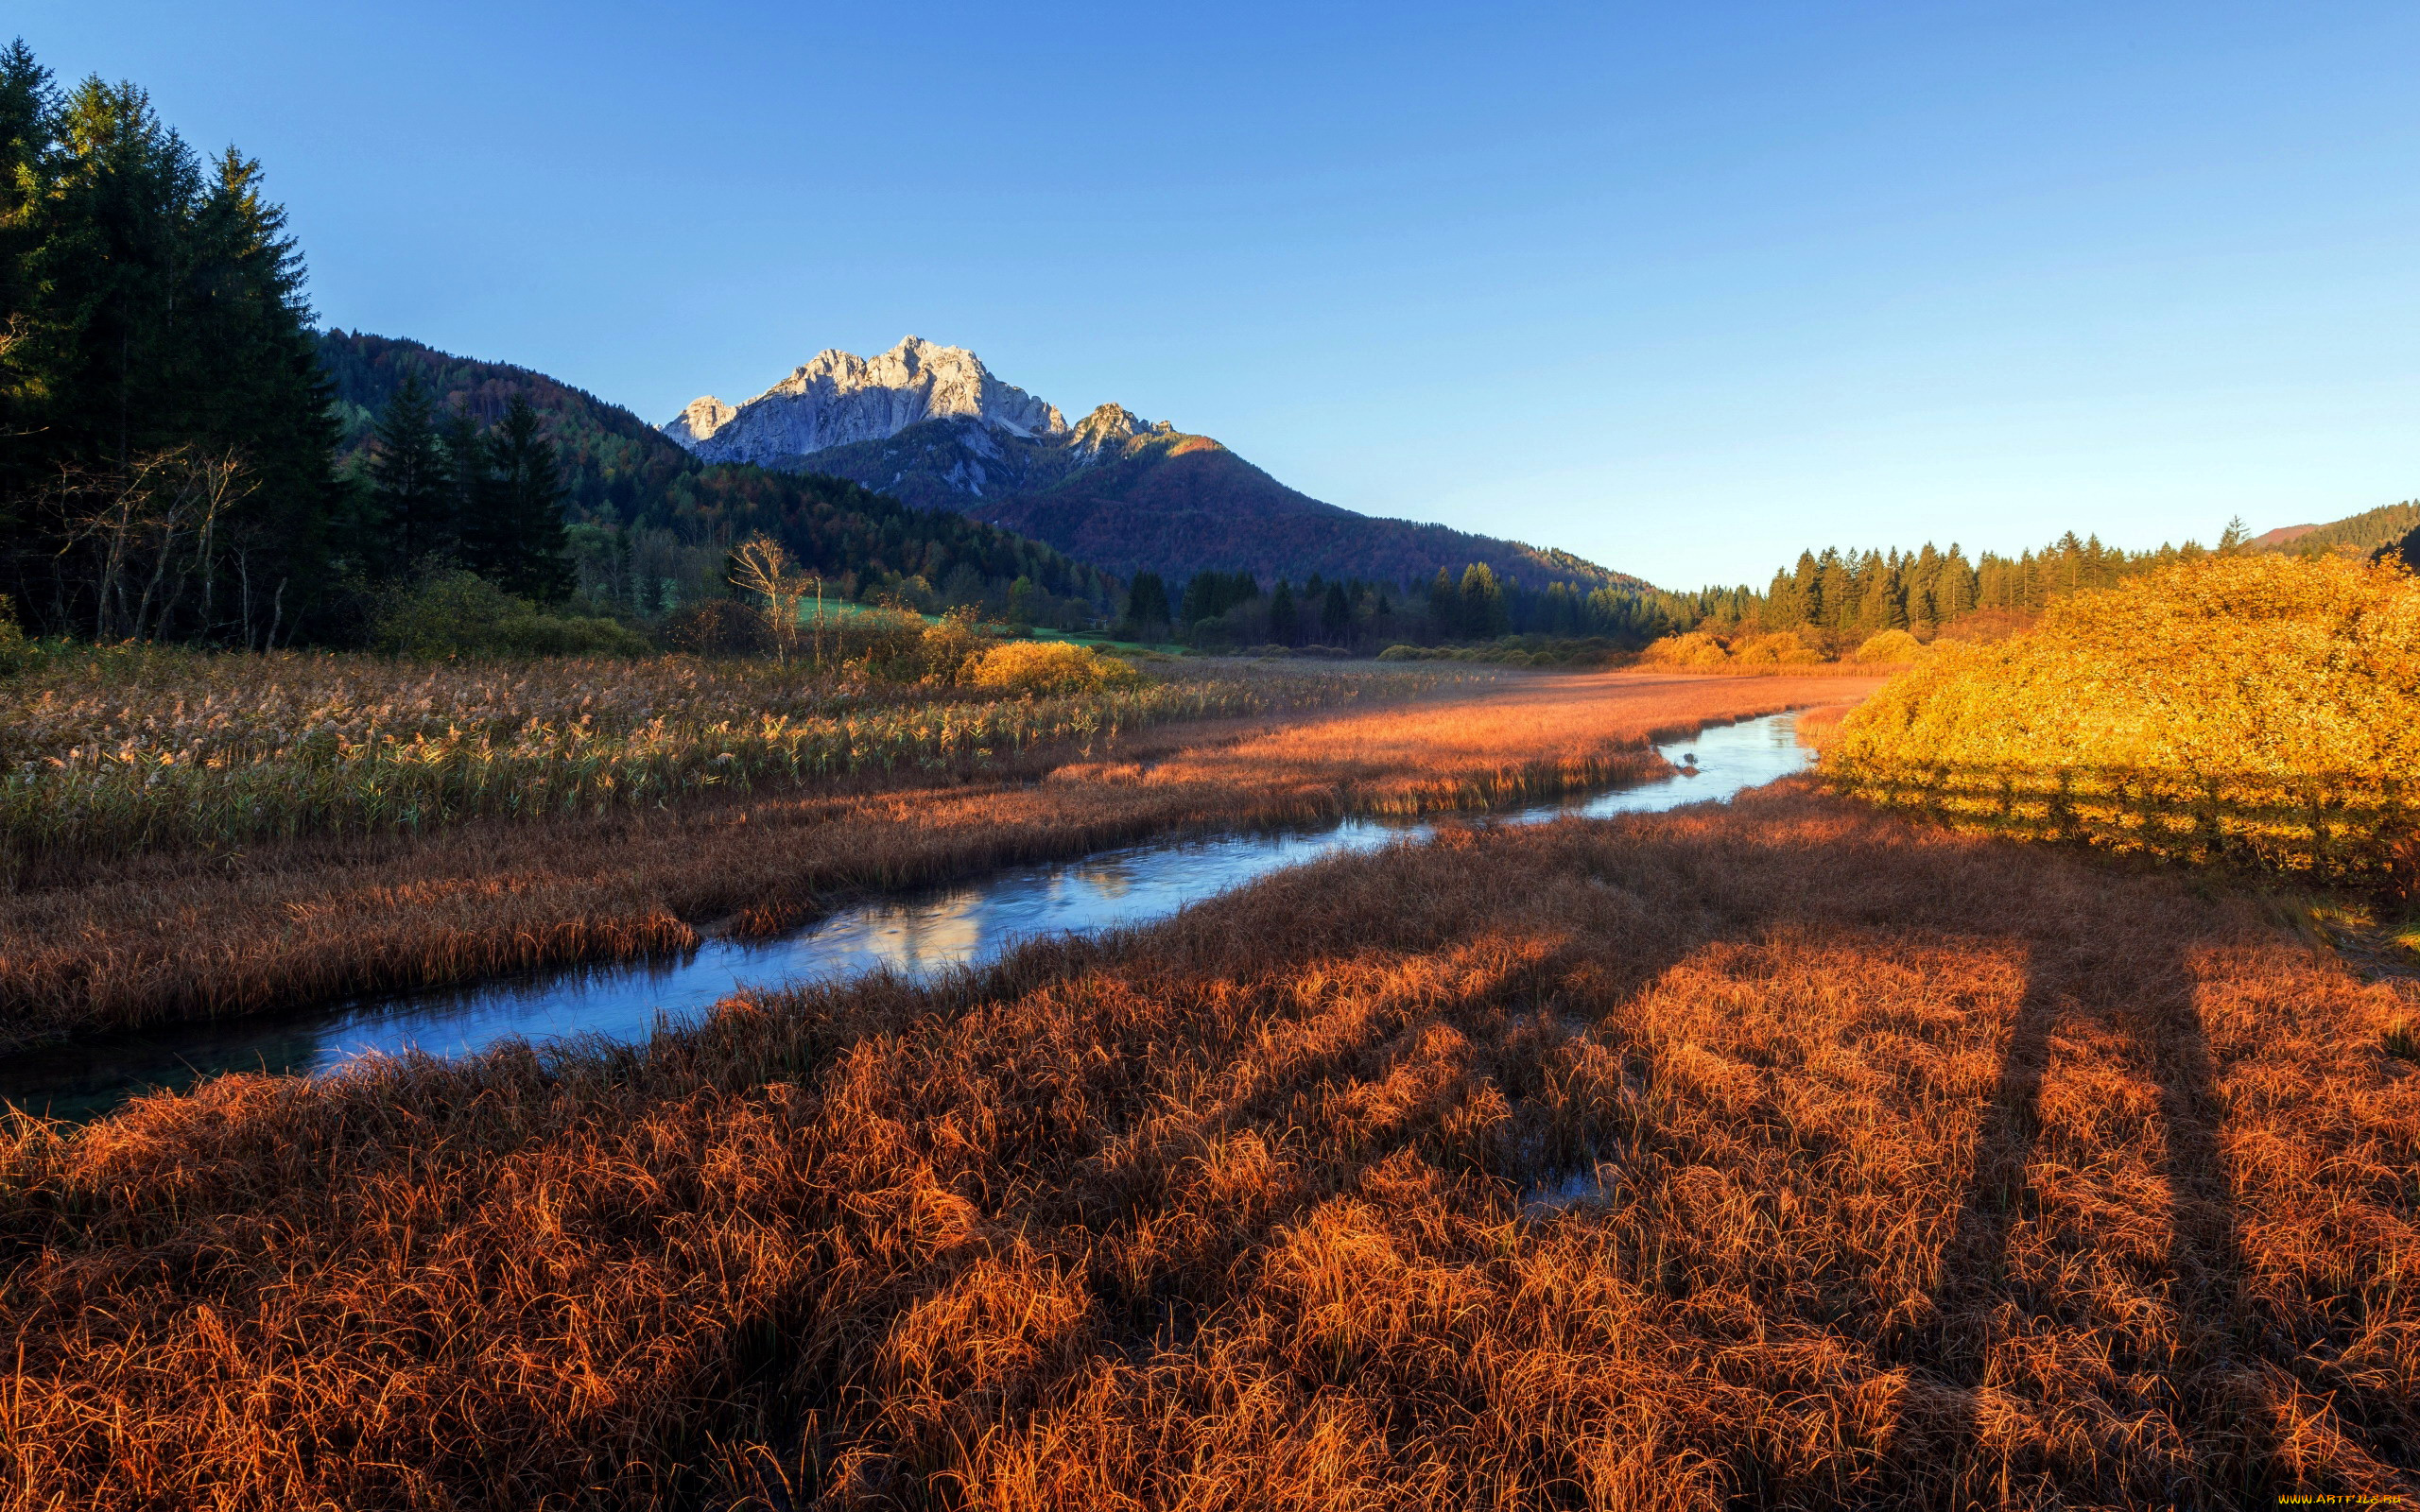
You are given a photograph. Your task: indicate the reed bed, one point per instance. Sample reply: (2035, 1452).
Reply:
(1784, 1153)
(2262, 712)
(177, 935)
(144, 747)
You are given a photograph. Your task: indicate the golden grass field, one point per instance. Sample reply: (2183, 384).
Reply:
(187, 933)
(109, 750)
(1782, 1154)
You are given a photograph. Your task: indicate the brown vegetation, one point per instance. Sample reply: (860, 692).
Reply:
(1783, 1153)
(281, 924)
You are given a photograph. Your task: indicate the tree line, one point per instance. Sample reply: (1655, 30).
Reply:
(1844, 596)
(1232, 610)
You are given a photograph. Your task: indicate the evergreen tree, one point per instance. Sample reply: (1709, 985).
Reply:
(1336, 614)
(166, 472)
(413, 489)
(468, 471)
(514, 535)
(1483, 616)
(1284, 622)
(1146, 602)
(1445, 607)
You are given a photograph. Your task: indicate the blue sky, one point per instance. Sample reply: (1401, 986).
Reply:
(1680, 287)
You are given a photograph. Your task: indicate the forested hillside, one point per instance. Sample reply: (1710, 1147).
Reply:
(651, 526)
(1149, 498)
(2363, 532)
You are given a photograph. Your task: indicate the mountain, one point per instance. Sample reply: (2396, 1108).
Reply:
(840, 398)
(931, 425)
(645, 510)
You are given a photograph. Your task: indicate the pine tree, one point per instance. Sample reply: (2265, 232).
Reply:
(468, 471)
(1483, 616)
(1284, 622)
(412, 489)
(1336, 614)
(155, 334)
(514, 534)
(1445, 607)
(1146, 602)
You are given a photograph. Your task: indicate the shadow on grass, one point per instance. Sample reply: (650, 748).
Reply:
(2194, 1372)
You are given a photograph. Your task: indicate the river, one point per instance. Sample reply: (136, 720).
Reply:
(964, 924)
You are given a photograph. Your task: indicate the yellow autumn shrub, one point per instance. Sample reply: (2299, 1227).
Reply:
(1891, 645)
(1779, 648)
(1695, 649)
(1046, 667)
(2259, 708)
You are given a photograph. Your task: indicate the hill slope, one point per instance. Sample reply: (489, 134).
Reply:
(641, 494)
(2363, 532)
(1112, 490)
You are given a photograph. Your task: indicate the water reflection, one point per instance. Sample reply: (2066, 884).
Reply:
(917, 933)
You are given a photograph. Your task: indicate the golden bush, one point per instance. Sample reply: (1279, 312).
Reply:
(1891, 645)
(1780, 648)
(1695, 649)
(2259, 707)
(1045, 667)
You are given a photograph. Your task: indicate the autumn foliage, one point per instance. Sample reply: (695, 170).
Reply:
(2260, 709)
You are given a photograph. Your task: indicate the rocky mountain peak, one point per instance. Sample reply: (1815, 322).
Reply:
(839, 398)
(702, 418)
(1109, 426)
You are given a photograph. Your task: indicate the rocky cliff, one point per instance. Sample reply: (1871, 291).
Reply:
(840, 399)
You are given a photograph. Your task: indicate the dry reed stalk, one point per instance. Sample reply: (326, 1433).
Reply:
(281, 926)
(1781, 1154)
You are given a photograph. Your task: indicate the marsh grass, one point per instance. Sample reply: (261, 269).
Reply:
(137, 748)
(1893, 1168)
(119, 942)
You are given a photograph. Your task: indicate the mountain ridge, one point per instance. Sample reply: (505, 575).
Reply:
(1125, 493)
(840, 398)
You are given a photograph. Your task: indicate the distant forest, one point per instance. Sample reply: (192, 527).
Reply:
(1844, 596)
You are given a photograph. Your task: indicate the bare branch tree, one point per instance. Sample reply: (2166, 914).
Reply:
(761, 566)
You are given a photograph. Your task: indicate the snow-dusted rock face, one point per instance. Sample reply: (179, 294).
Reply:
(840, 398)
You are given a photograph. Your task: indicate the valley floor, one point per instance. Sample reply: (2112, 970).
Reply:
(1779, 1154)
(284, 923)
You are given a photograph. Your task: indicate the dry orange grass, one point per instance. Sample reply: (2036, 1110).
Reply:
(1779, 1154)
(281, 924)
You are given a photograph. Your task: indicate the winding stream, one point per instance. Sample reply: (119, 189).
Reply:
(967, 923)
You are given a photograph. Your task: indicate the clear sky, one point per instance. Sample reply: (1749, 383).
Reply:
(1681, 286)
